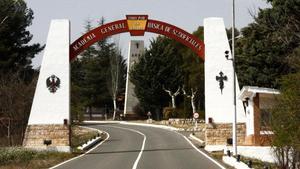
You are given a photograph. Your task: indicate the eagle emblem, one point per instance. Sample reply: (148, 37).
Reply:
(53, 83)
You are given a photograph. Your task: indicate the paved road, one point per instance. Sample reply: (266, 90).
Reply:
(130, 147)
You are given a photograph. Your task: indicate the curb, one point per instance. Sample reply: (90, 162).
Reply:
(89, 144)
(92, 142)
(136, 124)
(233, 162)
(197, 139)
(74, 158)
(151, 125)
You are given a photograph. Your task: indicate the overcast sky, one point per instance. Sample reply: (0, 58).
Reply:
(186, 14)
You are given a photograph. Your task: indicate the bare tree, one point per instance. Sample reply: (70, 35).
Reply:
(16, 99)
(116, 62)
(172, 95)
(115, 73)
(192, 97)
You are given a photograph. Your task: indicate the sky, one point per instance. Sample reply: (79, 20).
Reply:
(185, 14)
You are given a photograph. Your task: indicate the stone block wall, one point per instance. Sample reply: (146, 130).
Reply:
(217, 134)
(58, 134)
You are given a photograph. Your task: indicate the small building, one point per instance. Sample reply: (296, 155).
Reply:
(257, 102)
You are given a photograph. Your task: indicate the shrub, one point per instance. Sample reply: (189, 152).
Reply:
(15, 155)
(137, 109)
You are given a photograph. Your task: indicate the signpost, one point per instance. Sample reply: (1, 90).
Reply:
(196, 116)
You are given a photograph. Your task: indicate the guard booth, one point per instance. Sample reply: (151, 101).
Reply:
(257, 103)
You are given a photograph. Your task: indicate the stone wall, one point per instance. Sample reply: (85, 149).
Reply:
(217, 134)
(58, 134)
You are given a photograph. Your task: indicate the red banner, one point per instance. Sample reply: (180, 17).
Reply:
(178, 34)
(136, 25)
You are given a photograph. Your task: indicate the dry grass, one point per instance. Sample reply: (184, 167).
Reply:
(20, 158)
(81, 135)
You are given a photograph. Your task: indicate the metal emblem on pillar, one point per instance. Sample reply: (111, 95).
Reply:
(221, 80)
(53, 83)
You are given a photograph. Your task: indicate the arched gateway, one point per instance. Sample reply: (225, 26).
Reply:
(137, 25)
(48, 124)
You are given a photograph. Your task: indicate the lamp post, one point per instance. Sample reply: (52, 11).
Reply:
(234, 137)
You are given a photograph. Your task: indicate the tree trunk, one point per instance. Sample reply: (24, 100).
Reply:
(90, 111)
(115, 108)
(173, 102)
(193, 104)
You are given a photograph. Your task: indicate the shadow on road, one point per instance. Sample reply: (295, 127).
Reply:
(146, 150)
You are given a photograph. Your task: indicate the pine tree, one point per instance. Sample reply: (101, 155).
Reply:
(15, 53)
(91, 75)
(263, 53)
(158, 68)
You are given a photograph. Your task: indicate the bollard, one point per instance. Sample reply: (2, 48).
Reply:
(250, 164)
(228, 153)
(238, 158)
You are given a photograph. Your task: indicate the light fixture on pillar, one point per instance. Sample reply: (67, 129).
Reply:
(245, 104)
(227, 55)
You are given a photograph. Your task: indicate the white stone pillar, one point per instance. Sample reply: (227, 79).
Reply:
(219, 105)
(50, 113)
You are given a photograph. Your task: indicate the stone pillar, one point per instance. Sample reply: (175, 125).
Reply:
(219, 98)
(50, 112)
(135, 51)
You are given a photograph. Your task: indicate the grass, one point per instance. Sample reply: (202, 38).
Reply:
(82, 135)
(20, 158)
(218, 155)
(257, 163)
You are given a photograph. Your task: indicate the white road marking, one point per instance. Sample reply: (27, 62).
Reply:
(84, 153)
(213, 160)
(143, 145)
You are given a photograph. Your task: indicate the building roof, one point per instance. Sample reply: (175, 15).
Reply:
(250, 91)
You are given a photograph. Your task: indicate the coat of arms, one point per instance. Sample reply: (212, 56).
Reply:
(53, 83)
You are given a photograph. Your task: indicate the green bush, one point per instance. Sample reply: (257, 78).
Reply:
(137, 109)
(168, 112)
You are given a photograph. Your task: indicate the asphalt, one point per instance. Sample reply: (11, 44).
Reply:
(163, 149)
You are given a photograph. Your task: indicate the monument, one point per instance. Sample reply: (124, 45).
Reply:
(48, 124)
(219, 96)
(135, 51)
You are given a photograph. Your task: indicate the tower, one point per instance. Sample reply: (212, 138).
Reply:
(135, 51)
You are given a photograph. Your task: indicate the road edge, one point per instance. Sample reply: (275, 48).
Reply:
(74, 158)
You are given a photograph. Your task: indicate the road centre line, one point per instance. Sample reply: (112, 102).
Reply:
(143, 145)
(85, 152)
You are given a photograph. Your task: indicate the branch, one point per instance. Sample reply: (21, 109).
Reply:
(177, 92)
(194, 92)
(168, 91)
(184, 93)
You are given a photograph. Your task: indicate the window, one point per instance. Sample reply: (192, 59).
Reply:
(265, 119)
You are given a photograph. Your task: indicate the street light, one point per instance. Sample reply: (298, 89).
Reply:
(234, 138)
